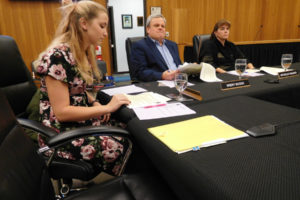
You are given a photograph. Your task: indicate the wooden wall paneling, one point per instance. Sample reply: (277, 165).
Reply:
(292, 15)
(180, 27)
(32, 24)
(212, 12)
(281, 19)
(271, 11)
(245, 18)
(251, 20)
(297, 13)
(165, 10)
(291, 18)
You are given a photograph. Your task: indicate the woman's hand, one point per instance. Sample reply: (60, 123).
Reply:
(105, 118)
(117, 101)
(250, 66)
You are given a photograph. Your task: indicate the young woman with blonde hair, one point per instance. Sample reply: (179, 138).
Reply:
(66, 67)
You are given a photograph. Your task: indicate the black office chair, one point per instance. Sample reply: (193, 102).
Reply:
(18, 86)
(197, 43)
(128, 45)
(24, 174)
(15, 78)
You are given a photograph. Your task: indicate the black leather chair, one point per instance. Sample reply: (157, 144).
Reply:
(18, 86)
(24, 174)
(128, 45)
(197, 43)
(15, 78)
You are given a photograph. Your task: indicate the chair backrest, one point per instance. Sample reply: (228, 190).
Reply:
(128, 45)
(197, 43)
(23, 174)
(15, 78)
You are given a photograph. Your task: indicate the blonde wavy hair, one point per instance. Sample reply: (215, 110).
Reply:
(70, 32)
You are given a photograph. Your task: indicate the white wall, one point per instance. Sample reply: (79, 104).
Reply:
(135, 8)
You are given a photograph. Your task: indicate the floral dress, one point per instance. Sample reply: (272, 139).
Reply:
(104, 152)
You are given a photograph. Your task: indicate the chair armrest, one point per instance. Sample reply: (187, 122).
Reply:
(37, 126)
(56, 139)
(84, 132)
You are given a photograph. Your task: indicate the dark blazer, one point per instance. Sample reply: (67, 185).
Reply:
(214, 53)
(147, 62)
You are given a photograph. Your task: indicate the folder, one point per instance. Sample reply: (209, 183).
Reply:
(196, 133)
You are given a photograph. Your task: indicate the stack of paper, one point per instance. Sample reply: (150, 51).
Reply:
(146, 99)
(190, 68)
(196, 133)
(162, 111)
(170, 84)
(124, 90)
(208, 73)
(247, 73)
(271, 70)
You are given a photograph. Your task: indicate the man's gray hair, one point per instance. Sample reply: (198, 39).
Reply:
(150, 17)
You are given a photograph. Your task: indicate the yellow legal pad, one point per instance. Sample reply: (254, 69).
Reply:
(195, 133)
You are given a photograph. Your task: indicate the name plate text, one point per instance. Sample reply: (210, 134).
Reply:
(228, 85)
(287, 74)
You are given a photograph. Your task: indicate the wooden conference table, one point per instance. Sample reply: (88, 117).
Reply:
(248, 168)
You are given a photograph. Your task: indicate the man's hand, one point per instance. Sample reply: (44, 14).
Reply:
(169, 75)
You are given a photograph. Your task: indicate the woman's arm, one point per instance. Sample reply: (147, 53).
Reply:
(58, 94)
(92, 100)
(220, 70)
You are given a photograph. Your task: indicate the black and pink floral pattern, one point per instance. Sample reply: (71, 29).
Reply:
(104, 152)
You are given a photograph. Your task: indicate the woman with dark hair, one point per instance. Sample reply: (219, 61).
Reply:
(220, 52)
(66, 67)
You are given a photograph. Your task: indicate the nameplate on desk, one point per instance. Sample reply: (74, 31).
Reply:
(228, 85)
(195, 94)
(287, 74)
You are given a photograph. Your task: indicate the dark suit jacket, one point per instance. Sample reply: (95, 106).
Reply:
(147, 64)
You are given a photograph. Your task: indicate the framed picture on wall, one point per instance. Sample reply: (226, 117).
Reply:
(126, 21)
(140, 21)
(155, 10)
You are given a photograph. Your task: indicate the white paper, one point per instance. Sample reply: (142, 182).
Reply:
(271, 70)
(247, 73)
(124, 90)
(146, 99)
(190, 68)
(208, 73)
(167, 110)
(171, 84)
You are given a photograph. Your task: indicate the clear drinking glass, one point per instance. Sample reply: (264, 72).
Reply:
(286, 61)
(240, 66)
(180, 81)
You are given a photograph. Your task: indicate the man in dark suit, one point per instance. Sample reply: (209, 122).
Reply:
(155, 58)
